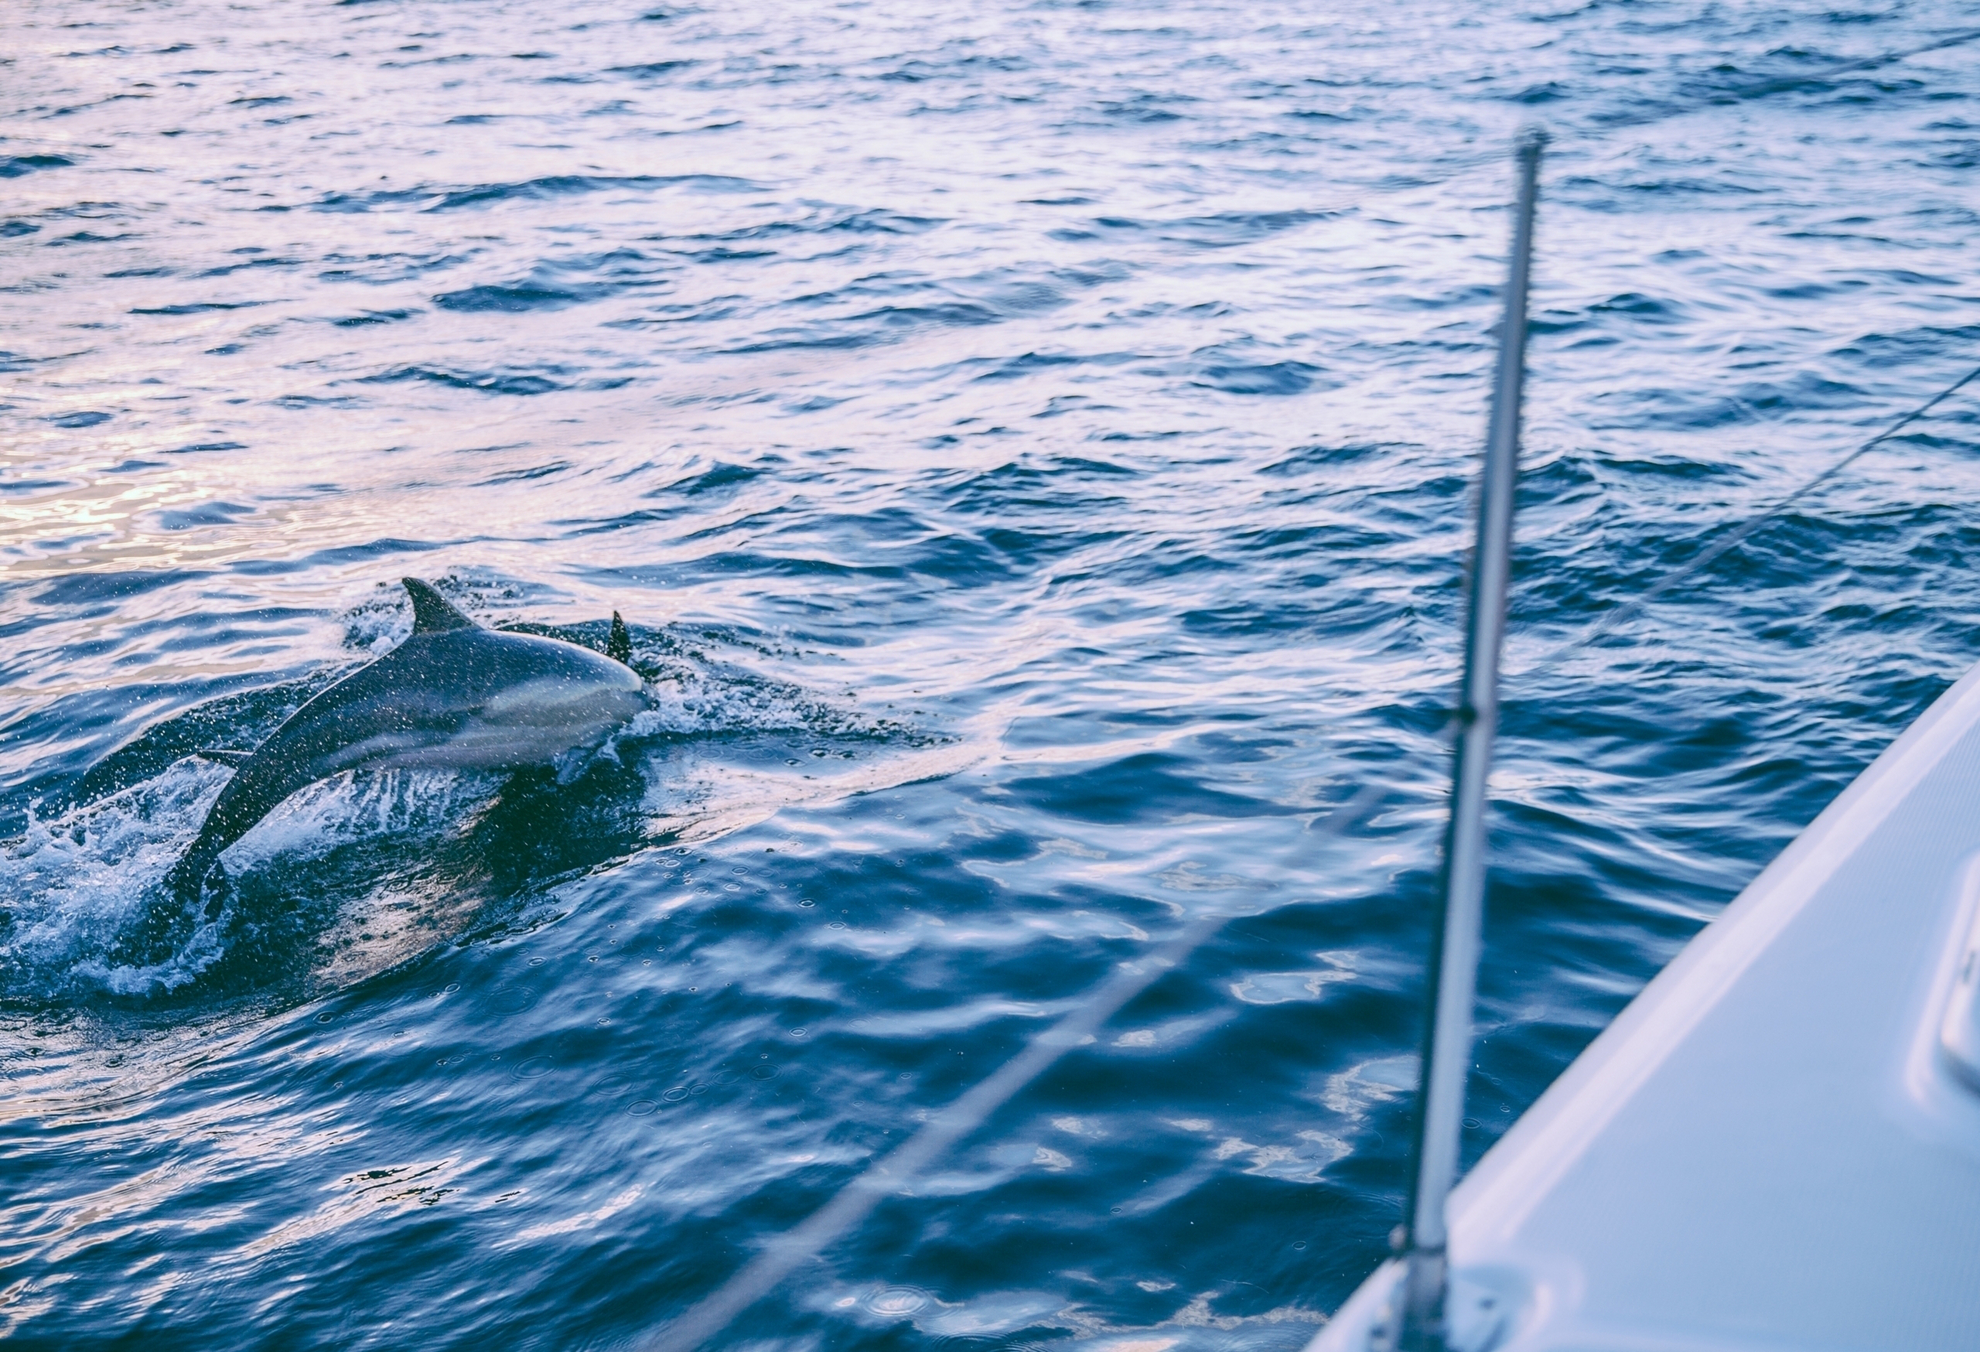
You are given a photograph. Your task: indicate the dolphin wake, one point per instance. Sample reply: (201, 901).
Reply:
(358, 869)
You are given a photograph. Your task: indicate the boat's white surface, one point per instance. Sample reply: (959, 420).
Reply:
(1776, 1145)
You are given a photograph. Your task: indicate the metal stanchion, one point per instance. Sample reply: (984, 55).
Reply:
(1454, 957)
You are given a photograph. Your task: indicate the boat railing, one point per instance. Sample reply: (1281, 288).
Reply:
(1419, 1324)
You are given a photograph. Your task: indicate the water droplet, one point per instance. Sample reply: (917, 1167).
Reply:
(641, 1107)
(676, 1094)
(763, 1072)
(325, 1017)
(807, 902)
(450, 988)
(798, 1032)
(533, 1068)
(1299, 1243)
(896, 1302)
(536, 962)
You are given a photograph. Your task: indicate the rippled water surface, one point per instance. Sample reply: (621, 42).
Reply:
(1031, 444)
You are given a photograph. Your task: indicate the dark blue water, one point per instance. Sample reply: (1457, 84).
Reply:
(1031, 445)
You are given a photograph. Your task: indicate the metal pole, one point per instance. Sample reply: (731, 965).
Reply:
(1454, 956)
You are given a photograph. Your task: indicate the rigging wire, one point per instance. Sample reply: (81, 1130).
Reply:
(1783, 83)
(894, 1173)
(1737, 536)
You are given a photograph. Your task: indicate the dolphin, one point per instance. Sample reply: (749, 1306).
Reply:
(453, 696)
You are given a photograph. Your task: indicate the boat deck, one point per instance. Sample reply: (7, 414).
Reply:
(1777, 1144)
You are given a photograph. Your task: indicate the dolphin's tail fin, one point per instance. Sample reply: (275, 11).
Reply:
(618, 643)
(186, 880)
(169, 920)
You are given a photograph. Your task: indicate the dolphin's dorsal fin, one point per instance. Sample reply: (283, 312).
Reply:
(225, 755)
(432, 612)
(618, 643)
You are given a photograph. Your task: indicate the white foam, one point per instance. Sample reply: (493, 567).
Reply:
(345, 808)
(690, 699)
(76, 881)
